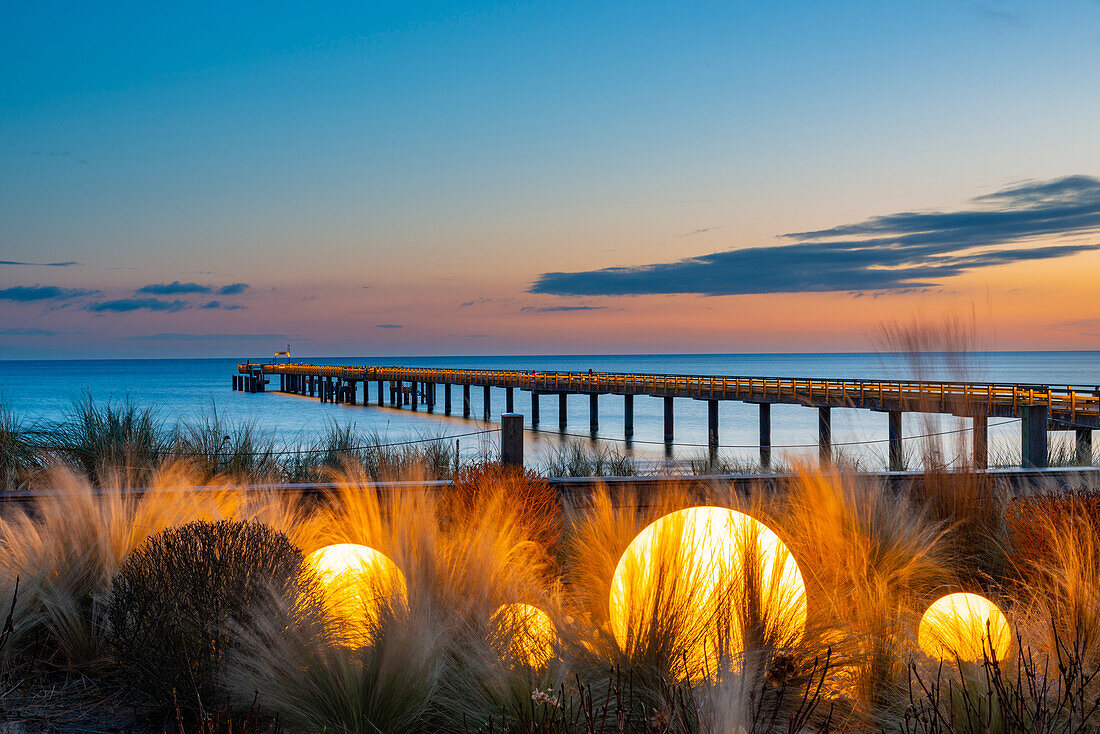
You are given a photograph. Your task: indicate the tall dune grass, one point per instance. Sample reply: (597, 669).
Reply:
(20, 457)
(874, 560)
(436, 659)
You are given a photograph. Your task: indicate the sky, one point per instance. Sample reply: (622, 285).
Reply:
(426, 178)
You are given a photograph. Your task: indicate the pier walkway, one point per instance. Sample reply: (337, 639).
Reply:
(1041, 408)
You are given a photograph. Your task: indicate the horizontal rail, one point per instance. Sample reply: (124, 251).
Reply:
(1068, 404)
(1020, 479)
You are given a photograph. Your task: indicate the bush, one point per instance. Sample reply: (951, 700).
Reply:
(178, 599)
(1031, 540)
(535, 503)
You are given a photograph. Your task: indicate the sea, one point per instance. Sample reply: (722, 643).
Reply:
(186, 390)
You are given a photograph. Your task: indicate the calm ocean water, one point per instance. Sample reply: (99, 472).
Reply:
(183, 390)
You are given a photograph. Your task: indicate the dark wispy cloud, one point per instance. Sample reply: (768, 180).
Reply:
(29, 293)
(700, 230)
(60, 264)
(233, 289)
(175, 288)
(390, 326)
(27, 332)
(551, 309)
(126, 305)
(995, 14)
(176, 337)
(900, 251)
(222, 306)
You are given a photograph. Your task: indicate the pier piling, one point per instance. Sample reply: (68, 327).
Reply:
(712, 425)
(628, 416)
(825, 434)
(593, 412)
(1033, 429)
(765, 435)
(1084, 446)
(668, 421)
(896, 455)
(511, 439)
(980, 441)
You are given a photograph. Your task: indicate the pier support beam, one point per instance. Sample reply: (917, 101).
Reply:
(534, 409)
(1033, 436)
(466, 401)
(414, 396)
(593, 412)
(825, 434)
(509, 406)
(446, 398)
(668, 420)
(381, 390)
(628, 416)
(511, 439)
(561, 412)
(429, 396)
(712, 425)
(765, 435)
(980, 441)
(896, 455)
(282, 382)
(487, 412)
(1084, 446)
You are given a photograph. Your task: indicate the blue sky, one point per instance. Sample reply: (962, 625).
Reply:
(366, 165)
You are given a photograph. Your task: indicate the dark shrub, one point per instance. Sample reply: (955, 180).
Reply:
(1030, 539)
(535, 502)
(178, 598)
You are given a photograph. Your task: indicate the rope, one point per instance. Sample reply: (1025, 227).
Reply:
(587, 437)
(288, 452)
(774, 446)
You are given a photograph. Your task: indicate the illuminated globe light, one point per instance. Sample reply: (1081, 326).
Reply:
(964, 626)
(356, 581)
(684, 575)
(524, 632)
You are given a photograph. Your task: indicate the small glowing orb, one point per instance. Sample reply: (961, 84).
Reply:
(964, 626)
(356, 581)
(524, 632)
(693, 583)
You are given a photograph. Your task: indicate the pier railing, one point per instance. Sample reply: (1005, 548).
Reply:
(1069, 404)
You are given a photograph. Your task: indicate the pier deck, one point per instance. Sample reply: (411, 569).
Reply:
(1042, 408)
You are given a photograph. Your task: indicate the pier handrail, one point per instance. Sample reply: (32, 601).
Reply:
(1070, 403)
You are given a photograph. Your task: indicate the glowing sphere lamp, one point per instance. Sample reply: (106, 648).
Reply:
(690, 576)
(525, 633)
(963, 626)
(356, 581)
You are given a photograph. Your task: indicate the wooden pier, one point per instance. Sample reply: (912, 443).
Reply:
(1041, 408)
